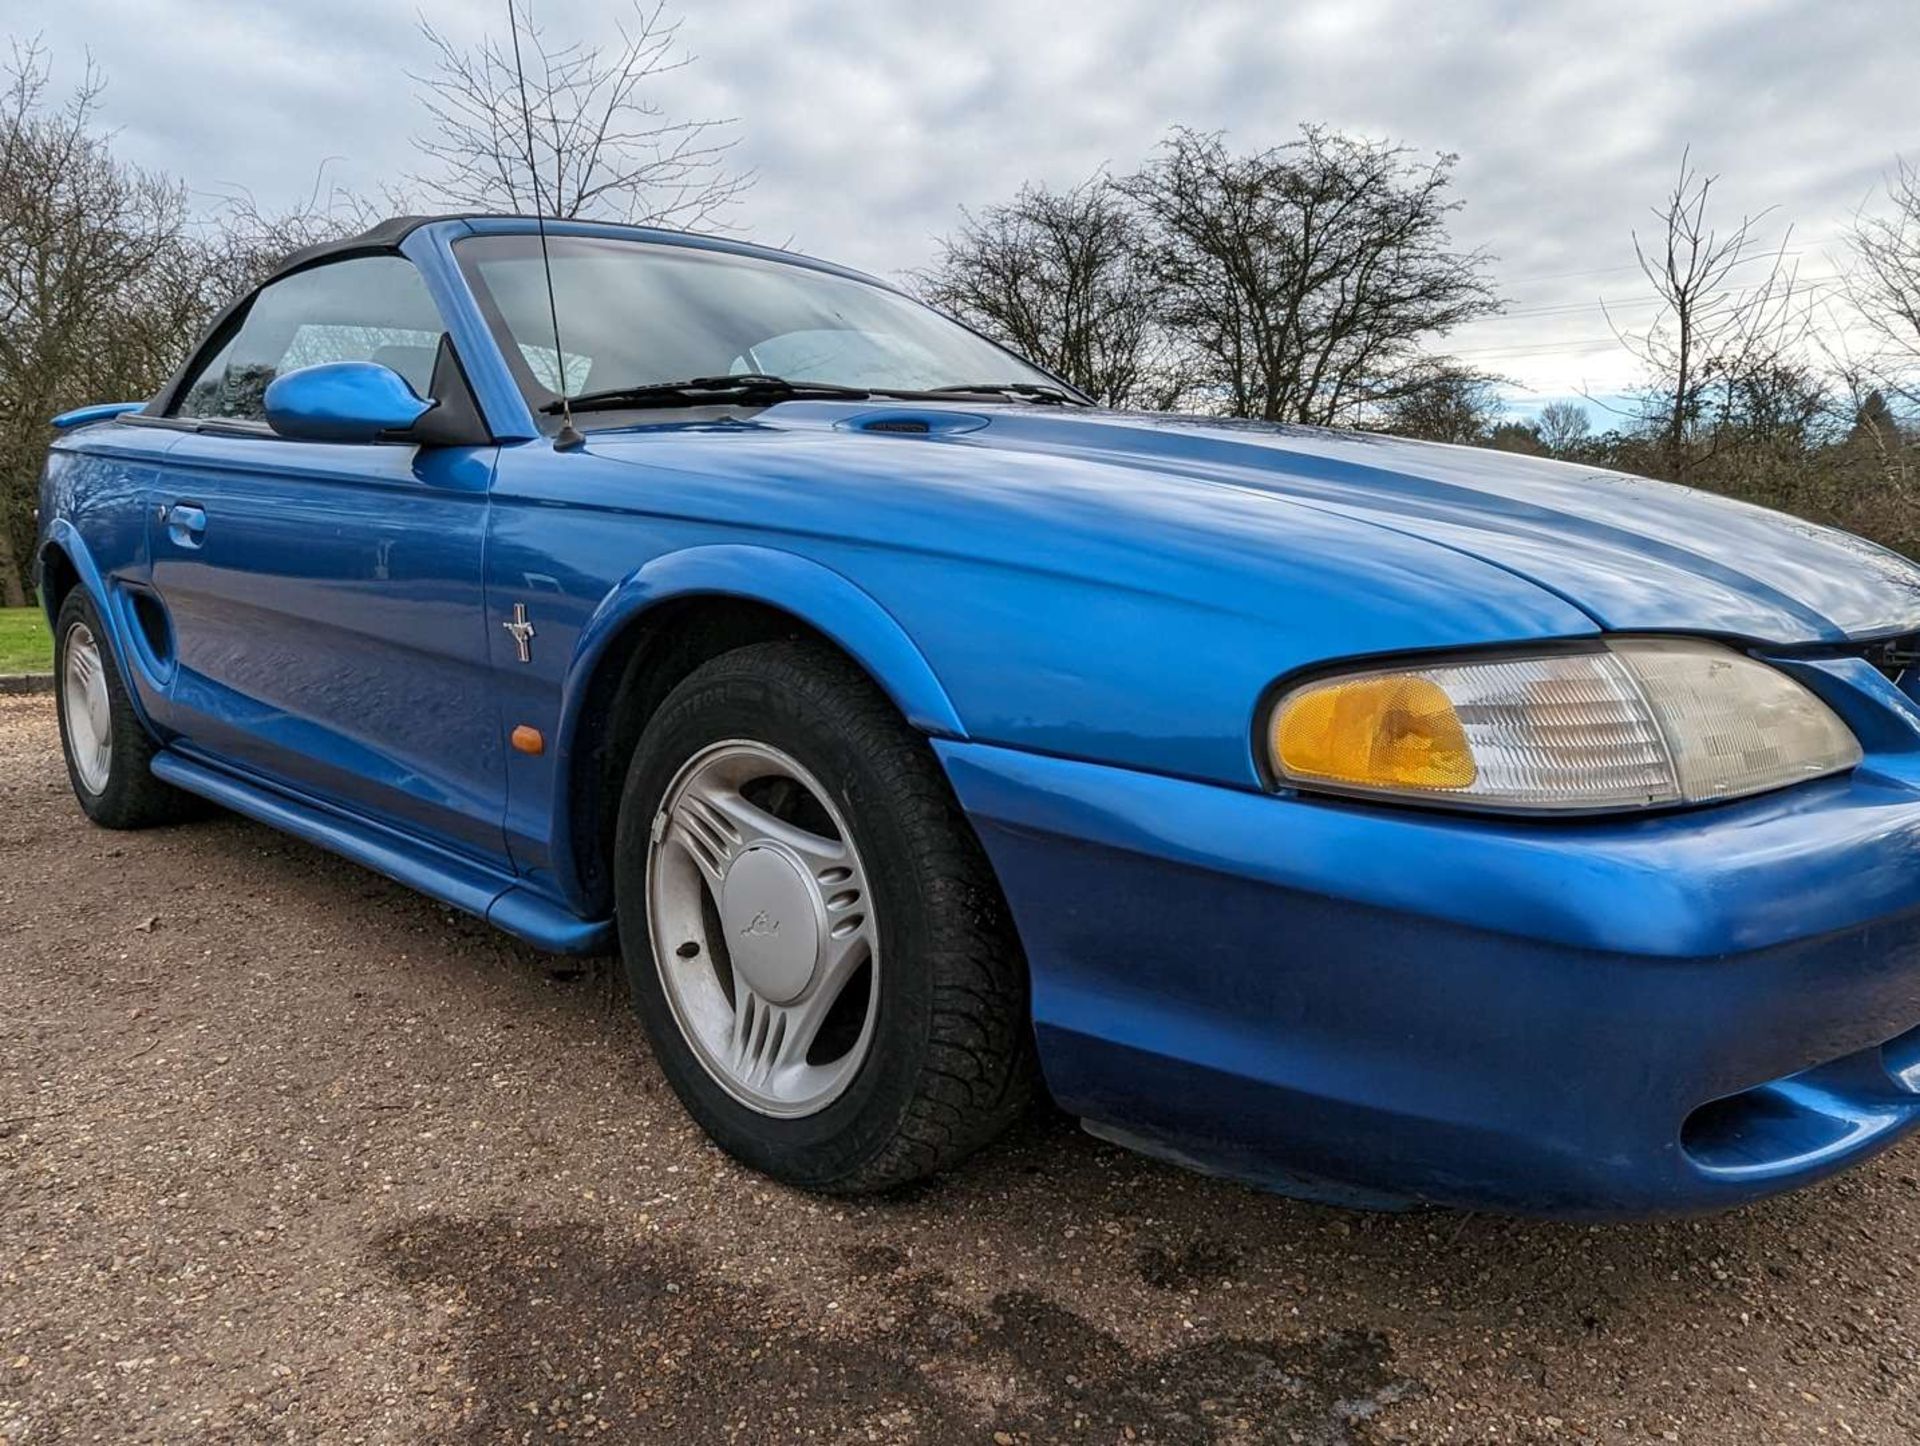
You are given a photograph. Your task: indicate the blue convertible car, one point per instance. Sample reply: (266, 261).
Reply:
(1377, 821)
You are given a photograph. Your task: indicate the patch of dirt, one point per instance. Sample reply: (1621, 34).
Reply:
(291, 1155)
(689, 1357)
(1197, 1263)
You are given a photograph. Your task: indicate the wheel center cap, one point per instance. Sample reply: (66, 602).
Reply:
(772, 924)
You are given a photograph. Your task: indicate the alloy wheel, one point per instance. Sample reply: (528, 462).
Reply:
(88, 715)
(763, 929)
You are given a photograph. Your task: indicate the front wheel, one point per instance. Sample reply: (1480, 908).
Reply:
(813, 937)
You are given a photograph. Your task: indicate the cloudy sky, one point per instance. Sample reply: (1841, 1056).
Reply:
(868, 122)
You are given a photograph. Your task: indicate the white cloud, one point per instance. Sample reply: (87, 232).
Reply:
(870, 121)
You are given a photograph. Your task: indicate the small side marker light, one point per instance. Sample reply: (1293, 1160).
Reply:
(528, 740)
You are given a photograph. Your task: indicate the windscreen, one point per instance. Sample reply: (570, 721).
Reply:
(635, 313)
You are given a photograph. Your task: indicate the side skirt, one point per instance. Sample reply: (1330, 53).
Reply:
(459, 883)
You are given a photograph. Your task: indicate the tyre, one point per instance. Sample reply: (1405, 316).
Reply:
(813, 937)
(108, 749)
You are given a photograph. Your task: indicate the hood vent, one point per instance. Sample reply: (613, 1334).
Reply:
(914, 422)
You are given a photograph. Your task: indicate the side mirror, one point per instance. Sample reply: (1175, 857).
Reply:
(348, 401)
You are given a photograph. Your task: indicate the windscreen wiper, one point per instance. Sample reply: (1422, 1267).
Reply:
(706, 391)
(1025, 391)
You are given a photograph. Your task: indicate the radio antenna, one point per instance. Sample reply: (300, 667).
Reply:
(567, 439)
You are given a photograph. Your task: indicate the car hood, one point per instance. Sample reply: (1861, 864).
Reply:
(1631, 553)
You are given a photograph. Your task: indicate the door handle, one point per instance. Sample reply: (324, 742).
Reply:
(186, 524)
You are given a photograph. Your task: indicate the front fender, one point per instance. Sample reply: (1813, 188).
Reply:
(809, 591)
(63, 537)
(812, 592)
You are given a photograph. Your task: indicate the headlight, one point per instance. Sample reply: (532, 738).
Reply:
(1636, 723)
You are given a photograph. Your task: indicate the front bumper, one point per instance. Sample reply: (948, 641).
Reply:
(1604, 1018)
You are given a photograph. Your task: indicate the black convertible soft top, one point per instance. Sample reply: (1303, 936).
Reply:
(381, 236)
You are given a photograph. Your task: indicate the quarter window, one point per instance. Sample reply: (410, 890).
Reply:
(365, 308)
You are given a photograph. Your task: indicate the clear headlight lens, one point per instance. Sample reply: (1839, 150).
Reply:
(1640, 722)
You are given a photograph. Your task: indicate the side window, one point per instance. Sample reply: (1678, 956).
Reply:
(365, 308)
(202, 395)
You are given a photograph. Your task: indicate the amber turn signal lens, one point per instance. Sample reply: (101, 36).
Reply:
(1384, 731)
(1627, 723)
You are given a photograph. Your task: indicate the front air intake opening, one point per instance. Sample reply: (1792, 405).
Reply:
(1743, 1131)
(1801, 1122)
(1900, 1057)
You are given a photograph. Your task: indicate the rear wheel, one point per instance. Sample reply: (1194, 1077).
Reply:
(812, 934)
(108, 750)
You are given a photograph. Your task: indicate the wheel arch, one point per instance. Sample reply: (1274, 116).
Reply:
(665, 620)
(66, 564)
(61, 571)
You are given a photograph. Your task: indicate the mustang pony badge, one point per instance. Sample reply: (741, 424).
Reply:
(521, 631)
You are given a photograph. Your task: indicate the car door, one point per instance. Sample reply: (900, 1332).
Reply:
(325, 599)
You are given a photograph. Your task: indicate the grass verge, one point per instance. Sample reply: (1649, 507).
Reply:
(26, 645)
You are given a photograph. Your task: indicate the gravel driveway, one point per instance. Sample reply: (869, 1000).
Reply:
(289, 1154)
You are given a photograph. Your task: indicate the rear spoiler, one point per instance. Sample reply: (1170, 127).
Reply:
(99, 412)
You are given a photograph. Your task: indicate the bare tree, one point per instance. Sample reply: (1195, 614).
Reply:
(1521, 437)
(1062, 278)
(1873, 431)
(242, 241)
(91, 250)
(1303, 279)
(1778, 403)
(1443, 401)
(1563, 426)
(1719, 326)
(583, 135)
(1884, 286)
